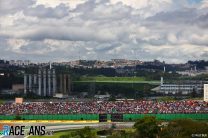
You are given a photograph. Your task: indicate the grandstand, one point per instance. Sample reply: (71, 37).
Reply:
(105, 110)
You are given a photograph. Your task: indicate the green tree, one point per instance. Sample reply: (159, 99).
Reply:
(147, 127)
(2, 101)
(86, 132)
(112, 98)
(122, 134)
(184, 128)
(194, 93)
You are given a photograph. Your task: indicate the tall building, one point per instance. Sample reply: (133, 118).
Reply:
(64, 84)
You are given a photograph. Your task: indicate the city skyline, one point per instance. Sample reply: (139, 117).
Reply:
(173, 31)
(14, 61)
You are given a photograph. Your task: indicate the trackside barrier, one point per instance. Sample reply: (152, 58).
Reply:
(131, 117)
(50, 121)
(53, 117)
(88, 117)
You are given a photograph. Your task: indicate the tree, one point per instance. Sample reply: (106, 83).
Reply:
(147, 127)
(122, 134)
(86, 132)
(194, 94)
(183, 128)
(112, 98)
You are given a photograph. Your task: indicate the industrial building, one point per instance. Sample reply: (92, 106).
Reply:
(64, 84)
(47, 83)
(182, 87)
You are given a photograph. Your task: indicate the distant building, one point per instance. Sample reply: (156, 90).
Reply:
(7, 92)
(20, 62)
(64, 84)
(192, 72)
(18, 87)
(182, 87)
(12, 62)
(107, 96)
(26, 62)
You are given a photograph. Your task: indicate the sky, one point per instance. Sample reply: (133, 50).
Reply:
(174, 31)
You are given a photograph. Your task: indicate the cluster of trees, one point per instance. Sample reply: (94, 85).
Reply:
(82, 133)
(9, 77)
(149, 127)
(109, 72)
(147, 71)
(156, 75)
(129, 90)
(200, 64)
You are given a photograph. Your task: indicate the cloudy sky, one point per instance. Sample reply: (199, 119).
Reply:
(61, 30)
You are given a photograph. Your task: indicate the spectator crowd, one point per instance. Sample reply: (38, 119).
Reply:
(98, 107)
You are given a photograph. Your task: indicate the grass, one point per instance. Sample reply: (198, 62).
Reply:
(55, 135)
(66, 132)
(58, 134)
(2, 101)
(130, 129)
(112, 79)
(117, 80)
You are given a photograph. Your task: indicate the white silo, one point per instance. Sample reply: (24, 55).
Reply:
(39, 82)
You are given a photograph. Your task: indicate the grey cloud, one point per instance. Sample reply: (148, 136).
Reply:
(13, 6)
(202, 21)
(99, 29)
(41, 11)
(203, 18)
(86, 7)
(106, 47)
(154, 42)
(205, 55)
(74, 33)
(102, 10)
(185, 15)
(34, 47)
